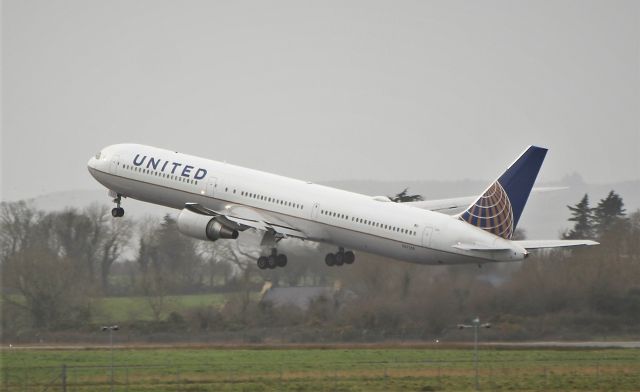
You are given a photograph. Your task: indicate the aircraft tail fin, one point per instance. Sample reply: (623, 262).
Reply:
(499, 208)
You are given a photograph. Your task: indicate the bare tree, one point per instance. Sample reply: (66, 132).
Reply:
(17, 222)
(113, 237)
(46, 279)
(216, 257)
(156, 294)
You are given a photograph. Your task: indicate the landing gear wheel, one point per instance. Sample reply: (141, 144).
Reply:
(330, 259)
(271, 262)
(281, 260)
(339, 258)
(349, 257)
(117, 212)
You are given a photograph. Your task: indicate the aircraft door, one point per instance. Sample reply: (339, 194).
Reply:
(426, 236)
(212, 183)
(113, 166)
(314, 211)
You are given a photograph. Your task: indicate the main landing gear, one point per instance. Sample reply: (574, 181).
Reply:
(273, 260)
(117, 212)
(340, 258)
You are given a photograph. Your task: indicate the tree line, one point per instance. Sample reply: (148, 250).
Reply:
(55, 265)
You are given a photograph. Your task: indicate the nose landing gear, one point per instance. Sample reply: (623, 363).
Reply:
(117, 212)
(340, 258)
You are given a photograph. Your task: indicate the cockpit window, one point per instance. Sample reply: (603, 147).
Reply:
(98, 155)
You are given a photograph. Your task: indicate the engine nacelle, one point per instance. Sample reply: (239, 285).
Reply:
(203, 227)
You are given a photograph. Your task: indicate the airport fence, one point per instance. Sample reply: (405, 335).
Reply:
(352, 376)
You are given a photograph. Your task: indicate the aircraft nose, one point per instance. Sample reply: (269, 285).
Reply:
(92, 163)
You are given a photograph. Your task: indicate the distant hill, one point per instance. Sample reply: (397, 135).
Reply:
(545, 216)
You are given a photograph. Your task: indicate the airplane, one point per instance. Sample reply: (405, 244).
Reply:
(218, 201)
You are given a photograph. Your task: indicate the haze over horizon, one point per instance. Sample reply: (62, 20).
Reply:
(325, 91)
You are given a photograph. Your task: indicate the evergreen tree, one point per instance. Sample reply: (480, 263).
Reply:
(608, 211)
(582, 215)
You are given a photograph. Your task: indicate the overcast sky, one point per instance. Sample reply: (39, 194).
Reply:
(321, 90)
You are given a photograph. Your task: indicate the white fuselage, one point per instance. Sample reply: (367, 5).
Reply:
(324, 214)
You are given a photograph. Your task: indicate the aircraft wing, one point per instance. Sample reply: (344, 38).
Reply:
(457, 204)
(480, 247)
(545, 244)
(242, 218)
(447, 206)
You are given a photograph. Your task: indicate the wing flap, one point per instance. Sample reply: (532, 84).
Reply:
(200, 209)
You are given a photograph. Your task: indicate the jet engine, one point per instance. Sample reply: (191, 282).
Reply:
(203, 227)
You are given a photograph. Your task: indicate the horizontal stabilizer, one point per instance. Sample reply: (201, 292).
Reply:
(544, 244)
(480, 247)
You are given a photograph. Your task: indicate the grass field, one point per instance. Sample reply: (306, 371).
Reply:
(120, 309)
(329, 369)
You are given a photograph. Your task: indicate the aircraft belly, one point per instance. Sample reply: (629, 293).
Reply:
(412, 253)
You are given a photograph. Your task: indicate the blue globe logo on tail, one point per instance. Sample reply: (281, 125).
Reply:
(492, 212)
(499, 208)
